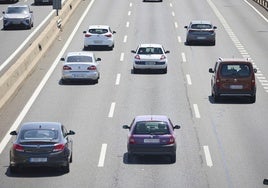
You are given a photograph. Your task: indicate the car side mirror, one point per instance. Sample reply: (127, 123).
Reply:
(126, 127)
(176, 127)
(133, 51)
(114, 32)
(255, 70)
(210, 70)
(85, 32)
(186, 27)
(71, 132)
(167, 51)
(265, 182)
(62, 59)
(13, 133)
(3, 12)
(31, 11)
(98, 59)
(215, 27)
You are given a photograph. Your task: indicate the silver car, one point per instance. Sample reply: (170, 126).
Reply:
(18, 16)
(200, 31)
(80, 66)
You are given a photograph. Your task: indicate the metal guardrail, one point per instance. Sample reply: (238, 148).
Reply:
(263, 3)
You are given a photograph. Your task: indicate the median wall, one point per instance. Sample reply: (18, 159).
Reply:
(12, 79)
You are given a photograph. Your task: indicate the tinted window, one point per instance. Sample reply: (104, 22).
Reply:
(79, 59)
(150, 50)
(151, 127)
(98, 31)
(39, 134)
(201, 26)
(241, 70)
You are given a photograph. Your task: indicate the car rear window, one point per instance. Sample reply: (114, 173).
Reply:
(39, 134)
(150, 50)
(151, 127)
(237, 70)
(201, 26)
(98, 31)
(79, 58)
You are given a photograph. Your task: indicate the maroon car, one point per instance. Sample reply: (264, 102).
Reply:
(151, 135)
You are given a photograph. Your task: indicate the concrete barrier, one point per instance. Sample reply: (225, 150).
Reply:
(263, 3)
(13, 78)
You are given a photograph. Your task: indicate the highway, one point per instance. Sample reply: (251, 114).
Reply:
(221, 145)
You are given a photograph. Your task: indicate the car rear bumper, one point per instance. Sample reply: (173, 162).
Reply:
(80, 76)
(236, 92)
(154, 65)
(104, 43)
(142, 149)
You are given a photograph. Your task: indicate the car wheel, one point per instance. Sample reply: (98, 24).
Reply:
(165, 70)
(66, 169)
(173, 158)
(13, 169)
(63, 81)
(135, 71)
(216, 98)
(252, 99)
(71, 158)
(129, 157)
(85, 47)
(213, 43)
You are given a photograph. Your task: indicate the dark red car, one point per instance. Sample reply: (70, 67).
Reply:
(151, 135)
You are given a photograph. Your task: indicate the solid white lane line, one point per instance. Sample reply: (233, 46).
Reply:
(27, 107)
(111, 112)
(125, 39)
(196, 111)
(188, 79)
(183, 56)
(122, 57)
(117, 81)
(102, 155)
(208, 156)
(127, 24)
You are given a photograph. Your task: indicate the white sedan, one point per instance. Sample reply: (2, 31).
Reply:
(99, 36)
(150, 56)
(80, 66)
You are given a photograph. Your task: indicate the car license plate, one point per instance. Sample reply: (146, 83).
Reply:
(151, 140)
(97, 41)
(79, 76)
(149, 63)
(38, 160)
(45, 1)
(16, 22)
(201, 38)
(236, 87)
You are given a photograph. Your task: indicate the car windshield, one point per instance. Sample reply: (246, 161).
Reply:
(39, 134)
(17, 10)
(150, 50)
(237, 70)
(98, 31)
(79, 58)
(151, 127)
(201, 26)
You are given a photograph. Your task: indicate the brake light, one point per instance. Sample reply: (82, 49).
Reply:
(87, 35)
(137, 57)
(18, 147)
(131, 140)
(162, 57)
(58, 147)
(65, 67)
(108, 35)
(92, 67)
(171, 140)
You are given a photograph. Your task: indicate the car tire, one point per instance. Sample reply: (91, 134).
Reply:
(252, 99)
(216, 98)
(66, 169)
(71, 158)
(129, 157)
(13, 169)
(173, 158)
(135, 71)
(164, 70)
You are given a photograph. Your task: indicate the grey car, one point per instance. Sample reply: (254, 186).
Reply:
(18, 16)
(40, 144)
(201, 31)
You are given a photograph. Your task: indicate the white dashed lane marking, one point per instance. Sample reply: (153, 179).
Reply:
(122, 57)
(196, 111)
(208, 156)
(117, 81)
(111, 112)
(125, 39)
(188, 78)
(179, 39)
(102, 155)
(183, 56)
(127, 24)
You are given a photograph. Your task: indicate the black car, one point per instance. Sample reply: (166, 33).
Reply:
(41, 144)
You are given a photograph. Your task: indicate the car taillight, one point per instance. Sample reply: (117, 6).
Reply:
(162, 57)
(87, 35)
(65, 67)
(131, 140)
(92, 67)
(58, 147)
(137, 57)
(18, 147)
(171, 140)
(218, 83)
(108, 35)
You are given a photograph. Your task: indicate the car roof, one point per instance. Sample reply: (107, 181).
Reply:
(98, 26)
(84, 53)
(200, 22)
(43, 125)
(150, 45)
(151, 118)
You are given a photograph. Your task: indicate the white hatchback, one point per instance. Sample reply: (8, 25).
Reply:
(80, 66)
(150, 56)
(99, 36)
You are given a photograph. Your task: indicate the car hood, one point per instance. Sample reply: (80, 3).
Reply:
(21, 16)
